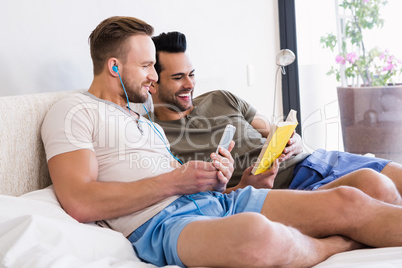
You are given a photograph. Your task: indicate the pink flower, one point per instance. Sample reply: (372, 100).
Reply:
(351, 57)
(383, 55)
(390, 59)
(340, 59)
(389, 67)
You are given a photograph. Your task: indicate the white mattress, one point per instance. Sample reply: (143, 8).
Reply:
(35, 232)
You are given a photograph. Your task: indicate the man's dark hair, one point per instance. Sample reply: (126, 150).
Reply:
(172, 42)
(109, 39)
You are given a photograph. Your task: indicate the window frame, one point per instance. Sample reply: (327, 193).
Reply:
(288, 40)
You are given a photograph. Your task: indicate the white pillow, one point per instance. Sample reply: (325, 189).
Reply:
(46, 195)
(36, 232)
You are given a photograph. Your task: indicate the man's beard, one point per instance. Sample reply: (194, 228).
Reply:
(172, 103)
(133, 93)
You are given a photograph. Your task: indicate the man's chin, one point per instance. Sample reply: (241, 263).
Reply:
(185, 108)
(178, 108)
(144, 97)
(139, 98)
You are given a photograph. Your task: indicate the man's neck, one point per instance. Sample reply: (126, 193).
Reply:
(106, 90)
(165, 114)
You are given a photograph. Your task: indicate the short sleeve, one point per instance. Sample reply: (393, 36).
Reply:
(68, 126)
(244, 107)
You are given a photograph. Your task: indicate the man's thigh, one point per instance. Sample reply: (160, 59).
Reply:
(394, 172)
(223, 241)
(315, 213)
(157, 240)
(364, 179)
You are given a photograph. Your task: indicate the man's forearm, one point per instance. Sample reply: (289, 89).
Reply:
(105, 200)
(261, 124)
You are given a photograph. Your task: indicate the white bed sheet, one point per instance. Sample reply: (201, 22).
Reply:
(365, 258)
(35, 232)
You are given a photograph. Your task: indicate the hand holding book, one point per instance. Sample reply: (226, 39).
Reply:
(275, 143)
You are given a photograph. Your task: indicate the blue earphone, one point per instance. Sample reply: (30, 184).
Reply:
(152, 126)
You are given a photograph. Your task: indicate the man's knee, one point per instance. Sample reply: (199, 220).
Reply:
(378, 186)
(254, 230)
(261, 242)
(346, 198)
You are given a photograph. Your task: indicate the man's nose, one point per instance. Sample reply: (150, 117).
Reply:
(153, 76)
(189, 83)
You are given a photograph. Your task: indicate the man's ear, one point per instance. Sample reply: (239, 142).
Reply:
(153, 88)
(113, 66)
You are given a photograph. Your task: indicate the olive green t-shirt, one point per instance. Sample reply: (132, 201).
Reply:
(197, 135)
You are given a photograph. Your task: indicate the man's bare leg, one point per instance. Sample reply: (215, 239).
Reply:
(394, 172)
(251, 240)
(343, 211)
(376, 185)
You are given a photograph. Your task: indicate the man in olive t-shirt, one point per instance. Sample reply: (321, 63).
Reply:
(194, 127)
(195, 135)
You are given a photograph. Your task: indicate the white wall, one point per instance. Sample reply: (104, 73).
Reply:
(44, 44)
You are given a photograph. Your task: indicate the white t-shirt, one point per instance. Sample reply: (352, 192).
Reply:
(126, 149)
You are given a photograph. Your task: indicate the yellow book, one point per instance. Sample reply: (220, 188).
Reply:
(275, 143)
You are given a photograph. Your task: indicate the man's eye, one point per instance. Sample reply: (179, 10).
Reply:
(177, 78)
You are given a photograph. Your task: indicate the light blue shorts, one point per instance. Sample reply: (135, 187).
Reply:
(156, 240)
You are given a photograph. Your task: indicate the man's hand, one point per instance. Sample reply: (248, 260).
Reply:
(194, 177)
(293, 147)
(223, 162)
(200, 176)
(263, 126)
(262, 180)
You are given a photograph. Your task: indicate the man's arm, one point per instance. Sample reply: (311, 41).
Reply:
(74, 176)
(261, 124)
(263, 180)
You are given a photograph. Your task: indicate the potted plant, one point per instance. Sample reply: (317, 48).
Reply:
(370, 101)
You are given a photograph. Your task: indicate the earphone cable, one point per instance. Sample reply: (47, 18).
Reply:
(153, 127)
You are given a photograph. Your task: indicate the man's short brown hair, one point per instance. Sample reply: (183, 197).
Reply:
(110, 36)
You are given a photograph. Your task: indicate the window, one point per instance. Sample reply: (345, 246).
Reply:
(320, 118)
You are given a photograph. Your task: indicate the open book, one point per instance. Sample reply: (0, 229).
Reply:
(277, 139)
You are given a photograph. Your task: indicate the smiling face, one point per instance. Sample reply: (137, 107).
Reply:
(138, 71)
(174, 90)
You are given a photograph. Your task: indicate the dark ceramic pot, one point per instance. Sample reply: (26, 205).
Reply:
(371, 119)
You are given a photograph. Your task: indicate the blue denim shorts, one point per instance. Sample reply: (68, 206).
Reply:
(156, 240)
(323, 167)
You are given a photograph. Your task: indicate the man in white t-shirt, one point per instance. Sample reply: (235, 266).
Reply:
(108, 163)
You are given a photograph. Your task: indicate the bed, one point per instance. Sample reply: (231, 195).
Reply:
(35, 231)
